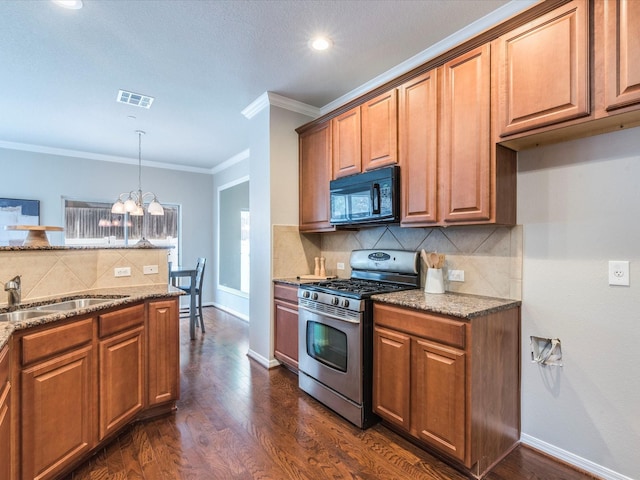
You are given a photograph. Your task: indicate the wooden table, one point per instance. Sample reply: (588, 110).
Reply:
(178, 272)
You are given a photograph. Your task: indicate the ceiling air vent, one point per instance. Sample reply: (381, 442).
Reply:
(136, 99)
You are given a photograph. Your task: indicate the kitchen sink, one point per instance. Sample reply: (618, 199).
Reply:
(20, 315)
(74, 304)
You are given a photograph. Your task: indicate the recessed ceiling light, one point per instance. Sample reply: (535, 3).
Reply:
(70, 4)
(320, 43)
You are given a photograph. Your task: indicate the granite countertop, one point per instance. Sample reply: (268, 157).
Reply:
(295, 280)
(21, 248)
(454, 304)
(117, 296)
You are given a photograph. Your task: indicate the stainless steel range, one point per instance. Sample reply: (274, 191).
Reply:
(335, 341)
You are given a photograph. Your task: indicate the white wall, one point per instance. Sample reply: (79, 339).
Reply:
(273, 196)
(579, 203)
(46, 177)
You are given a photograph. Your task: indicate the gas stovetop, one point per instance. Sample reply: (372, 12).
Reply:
(355, 287)
(372, 272)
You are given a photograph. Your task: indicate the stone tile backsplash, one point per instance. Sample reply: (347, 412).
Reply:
(46, 273)
(491, 256)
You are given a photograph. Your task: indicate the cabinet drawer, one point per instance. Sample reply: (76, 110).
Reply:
(437, 328)
(113, 322)
(40, 345)
(287, 293)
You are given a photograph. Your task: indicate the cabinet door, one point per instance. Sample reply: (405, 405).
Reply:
(286, 333)
(543, 70)
(465, 156)
(392, 376)
(163, 352)
(380, 131)
(315, 174)
(57, 413)
(121, 379)
(418, 149)
(440, 396)
(347, 149)
(5, 415)
(622, 53)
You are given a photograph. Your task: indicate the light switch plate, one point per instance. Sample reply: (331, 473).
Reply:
(456, 275)
(122, 271)
(150, 269)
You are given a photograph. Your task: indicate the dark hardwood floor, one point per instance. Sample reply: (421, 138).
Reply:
(237, 420)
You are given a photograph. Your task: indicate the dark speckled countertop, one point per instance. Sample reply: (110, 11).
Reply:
(454, 304)
(117, 297)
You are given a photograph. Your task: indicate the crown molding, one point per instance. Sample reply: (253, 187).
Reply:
(490, 20)
(273, 99)
(243, 155)
(98, 157)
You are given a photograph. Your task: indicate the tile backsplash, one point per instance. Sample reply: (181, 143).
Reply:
(46, 273)
(490, 256)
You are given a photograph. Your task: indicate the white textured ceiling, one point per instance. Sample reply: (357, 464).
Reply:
(204, 61)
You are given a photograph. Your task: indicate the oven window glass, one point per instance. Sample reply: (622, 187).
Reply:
(327, 345)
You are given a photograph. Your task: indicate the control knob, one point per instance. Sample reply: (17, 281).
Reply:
(314, 296)
(335, 301)
(306, 294)
(345, 303)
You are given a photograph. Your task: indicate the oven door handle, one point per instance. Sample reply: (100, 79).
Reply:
(325, 314)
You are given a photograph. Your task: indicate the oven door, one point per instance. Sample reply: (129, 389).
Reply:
(330, 351)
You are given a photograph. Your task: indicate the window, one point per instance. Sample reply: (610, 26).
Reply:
(92, 223)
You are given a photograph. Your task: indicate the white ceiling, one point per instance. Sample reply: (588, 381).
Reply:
(204, 61)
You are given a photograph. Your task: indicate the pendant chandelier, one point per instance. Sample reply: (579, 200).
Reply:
(134, 203)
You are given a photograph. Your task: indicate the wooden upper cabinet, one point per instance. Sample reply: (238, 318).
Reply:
(418, 149)
(543, 70)
(380, 131)
(465, 156)
(622, 53)
(347, 148)
(315, 174)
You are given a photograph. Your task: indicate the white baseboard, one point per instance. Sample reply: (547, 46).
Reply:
(265, 362)
(228, 310)
(572, 459)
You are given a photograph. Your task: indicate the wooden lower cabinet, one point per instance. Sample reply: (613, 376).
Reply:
(57, 412)
(121, 379)
(450, 385)
(440, 396)
(285, 304)
(392, 371)
(163, 352)
(5, 414)
(81, 380)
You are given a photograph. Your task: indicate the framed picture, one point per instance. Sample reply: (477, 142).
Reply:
(15, 211)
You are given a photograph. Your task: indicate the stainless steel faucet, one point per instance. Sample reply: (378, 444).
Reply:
(12, 287)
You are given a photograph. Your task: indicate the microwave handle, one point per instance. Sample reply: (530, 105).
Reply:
(375, 193)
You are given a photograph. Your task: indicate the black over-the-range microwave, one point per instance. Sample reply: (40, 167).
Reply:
(366, 198)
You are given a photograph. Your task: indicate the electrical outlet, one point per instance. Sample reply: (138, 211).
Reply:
(456, 275)
(122, 271)
(619, 272)
(340, 266)
(150, 269)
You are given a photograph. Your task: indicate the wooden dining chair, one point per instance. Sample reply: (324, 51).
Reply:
(198, 289)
